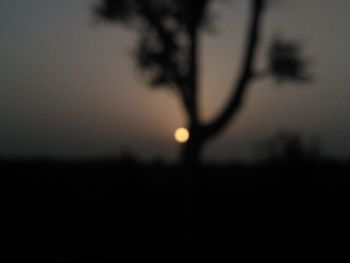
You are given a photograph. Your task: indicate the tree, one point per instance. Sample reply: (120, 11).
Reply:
(167, 51)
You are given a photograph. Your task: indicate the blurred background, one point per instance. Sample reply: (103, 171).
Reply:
(70, 90)
(69, 86)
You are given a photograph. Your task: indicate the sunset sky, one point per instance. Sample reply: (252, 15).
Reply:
(69, 85)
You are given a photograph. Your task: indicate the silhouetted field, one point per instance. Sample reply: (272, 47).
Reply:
(129, 212)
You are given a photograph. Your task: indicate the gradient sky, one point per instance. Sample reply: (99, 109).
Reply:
(68, 85)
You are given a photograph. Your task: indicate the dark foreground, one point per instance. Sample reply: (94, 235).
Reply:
(127, 212)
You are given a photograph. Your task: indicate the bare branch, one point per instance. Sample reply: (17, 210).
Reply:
(240, 88)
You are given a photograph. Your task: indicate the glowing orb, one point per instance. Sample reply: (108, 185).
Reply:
(181, 135)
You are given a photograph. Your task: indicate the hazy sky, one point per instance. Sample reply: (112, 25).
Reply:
(68, 85)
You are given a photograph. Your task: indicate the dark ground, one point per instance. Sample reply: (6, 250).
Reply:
(128, 212)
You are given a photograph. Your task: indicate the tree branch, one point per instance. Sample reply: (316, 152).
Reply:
(240, 88)
(190, 89)
(193, 75)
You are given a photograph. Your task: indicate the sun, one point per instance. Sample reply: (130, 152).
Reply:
(181, 135)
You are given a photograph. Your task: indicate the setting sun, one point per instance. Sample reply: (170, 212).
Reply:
(181, 135)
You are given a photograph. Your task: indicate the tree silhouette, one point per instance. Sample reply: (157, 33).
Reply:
(167, 52)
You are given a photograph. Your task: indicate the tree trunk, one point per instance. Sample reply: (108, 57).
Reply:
(192, 149)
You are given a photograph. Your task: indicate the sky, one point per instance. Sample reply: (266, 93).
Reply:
(69, 86)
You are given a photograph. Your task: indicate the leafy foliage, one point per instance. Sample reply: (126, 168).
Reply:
(286, 61)
(166, 28)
